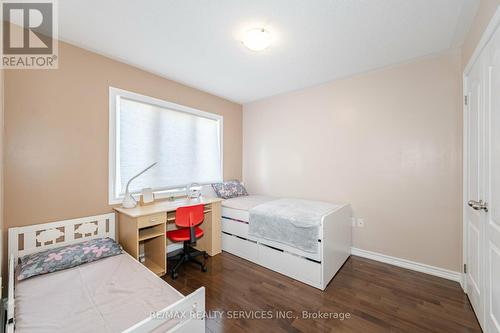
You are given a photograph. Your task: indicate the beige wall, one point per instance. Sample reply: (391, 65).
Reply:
(334, 142)
(485, 12)
(57, 133)
(388, 142)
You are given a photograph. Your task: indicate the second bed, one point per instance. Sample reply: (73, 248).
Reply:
(315, 268)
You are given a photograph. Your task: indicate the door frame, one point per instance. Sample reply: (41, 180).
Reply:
(493, 25)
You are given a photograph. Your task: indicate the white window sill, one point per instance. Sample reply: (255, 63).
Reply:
(158, 195)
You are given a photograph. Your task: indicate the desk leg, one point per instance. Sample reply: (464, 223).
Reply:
(211, 240)
(216, 229)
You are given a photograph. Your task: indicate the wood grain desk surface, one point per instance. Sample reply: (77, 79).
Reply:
(164, 206)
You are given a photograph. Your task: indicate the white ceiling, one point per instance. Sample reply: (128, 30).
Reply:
(196, 42)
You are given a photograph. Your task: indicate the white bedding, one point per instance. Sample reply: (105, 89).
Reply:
(238, 208)
(108, 295)
(293, 222)
(246, 202)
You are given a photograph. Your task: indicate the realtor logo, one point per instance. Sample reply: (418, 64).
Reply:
(29, 39)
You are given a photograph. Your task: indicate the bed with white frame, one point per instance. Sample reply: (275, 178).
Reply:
(184, 315)
(314, 269)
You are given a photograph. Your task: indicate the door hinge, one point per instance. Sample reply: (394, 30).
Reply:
(466, 100)
(465, 268)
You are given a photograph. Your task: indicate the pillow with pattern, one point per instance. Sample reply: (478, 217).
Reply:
(68, 256)
(229, 189)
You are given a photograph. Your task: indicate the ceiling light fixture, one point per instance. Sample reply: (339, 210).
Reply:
(257, 39)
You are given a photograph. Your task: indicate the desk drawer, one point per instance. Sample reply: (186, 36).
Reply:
(151, 220)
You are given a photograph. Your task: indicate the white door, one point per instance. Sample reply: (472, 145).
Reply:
(474, 189)
(482, 181)
(492, 189)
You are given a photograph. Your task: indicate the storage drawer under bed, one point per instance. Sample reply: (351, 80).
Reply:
(234, 227)
(288, 264)
(242, 248)
(279, 261)
(236, 214)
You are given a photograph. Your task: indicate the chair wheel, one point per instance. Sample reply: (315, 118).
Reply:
(204, 269)
(174, 275)
(205, 255)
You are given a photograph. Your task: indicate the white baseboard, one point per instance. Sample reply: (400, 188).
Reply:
(415, 266)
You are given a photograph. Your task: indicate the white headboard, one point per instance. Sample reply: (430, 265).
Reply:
(39, 237)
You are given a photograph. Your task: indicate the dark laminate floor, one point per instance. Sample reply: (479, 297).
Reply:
(379, 297)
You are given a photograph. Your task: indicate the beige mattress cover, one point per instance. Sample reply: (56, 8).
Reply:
(108, 295)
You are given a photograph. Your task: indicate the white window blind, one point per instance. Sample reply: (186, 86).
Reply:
(185, 142)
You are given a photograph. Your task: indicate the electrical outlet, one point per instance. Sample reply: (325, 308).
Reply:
(360, 223)
(353, 221)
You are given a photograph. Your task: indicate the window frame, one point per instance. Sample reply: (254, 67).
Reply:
(114, 95)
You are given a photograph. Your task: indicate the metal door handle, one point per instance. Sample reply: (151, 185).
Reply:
(478, 205)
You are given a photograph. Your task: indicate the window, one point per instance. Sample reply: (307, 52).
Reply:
(186, 143)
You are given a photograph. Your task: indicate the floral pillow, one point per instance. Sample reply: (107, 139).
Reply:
(229, 189)
(66, 257)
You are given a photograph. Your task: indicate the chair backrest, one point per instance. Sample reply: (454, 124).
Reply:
(189, 216)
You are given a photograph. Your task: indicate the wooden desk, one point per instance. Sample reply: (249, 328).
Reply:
(148, 225)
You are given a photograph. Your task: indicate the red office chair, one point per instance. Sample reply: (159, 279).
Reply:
(188, 218)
